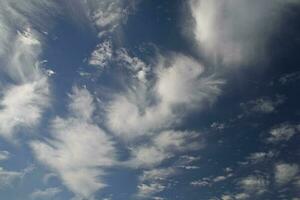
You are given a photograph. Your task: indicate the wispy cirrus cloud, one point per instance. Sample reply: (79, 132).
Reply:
(10, 177)
(164, 146)
(25, 88)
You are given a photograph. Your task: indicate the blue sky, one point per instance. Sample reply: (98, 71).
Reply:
(137, 99)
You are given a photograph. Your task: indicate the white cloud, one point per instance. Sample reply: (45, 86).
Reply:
(234, 31)
(285, 173)
(154, 181)
(48, 193)
(108, 14)
(22, 106)
(21, 53)
(160, 148)
(82, 104)
(255, 185)
(201, 183)
(180, 84)
(147, 111)
(163, 146)
(157, 174)
(147, 190)
(284, 132)
(102, 55)
(25, 97)
(133, 64)
(180, 141)
(79, 150)
(15, 15)
(105, 16)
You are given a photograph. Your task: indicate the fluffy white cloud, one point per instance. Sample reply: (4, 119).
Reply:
(48, 193)
(22, 106)
(79, 150)
(180, 84)
(285, 173)
(234, 31)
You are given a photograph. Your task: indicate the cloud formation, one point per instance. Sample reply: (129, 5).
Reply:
(179, 84)
(22, 106)
(234, 31)
(25, 94)
(79, 150)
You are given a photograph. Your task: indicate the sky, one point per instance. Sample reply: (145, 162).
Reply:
(149, 100)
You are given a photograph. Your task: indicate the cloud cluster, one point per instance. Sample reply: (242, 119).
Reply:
(180, 87)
